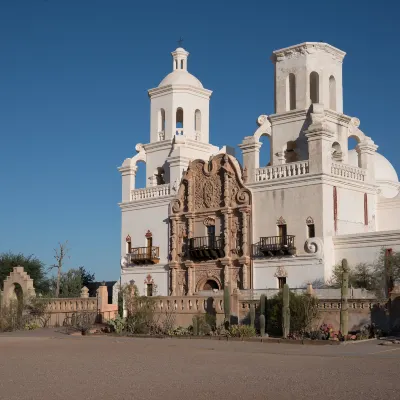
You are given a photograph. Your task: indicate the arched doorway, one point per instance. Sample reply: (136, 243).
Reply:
(16, 299)
(211, 284)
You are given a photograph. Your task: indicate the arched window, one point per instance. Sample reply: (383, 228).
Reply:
(314, 87)
(181, 64)
(337, 155)
(161, 124)
(179, 121)
(291, 92)
(197, 121)
(332, 93)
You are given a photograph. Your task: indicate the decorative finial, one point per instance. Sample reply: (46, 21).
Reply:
(180, 41)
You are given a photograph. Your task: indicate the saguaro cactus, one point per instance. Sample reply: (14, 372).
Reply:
(263, 313)
(227, 305)
(195, 326)
(286, 311)
(344, 309)
(262, 325)
(252, 314)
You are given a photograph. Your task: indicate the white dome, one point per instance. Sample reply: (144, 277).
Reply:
(385, 174)
(181, 77)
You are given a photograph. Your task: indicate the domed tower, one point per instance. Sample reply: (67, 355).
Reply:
(180, 104)
(179, 123)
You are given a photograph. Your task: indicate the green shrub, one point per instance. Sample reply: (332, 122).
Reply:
(242, 331)
(303, 311)
(117, 324)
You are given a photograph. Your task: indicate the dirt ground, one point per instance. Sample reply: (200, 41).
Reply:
(50, 365)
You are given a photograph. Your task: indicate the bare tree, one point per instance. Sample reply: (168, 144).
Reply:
(60, 254)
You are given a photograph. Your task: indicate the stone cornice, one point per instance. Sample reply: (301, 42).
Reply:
(160, 145)
(146, 203)
(128, 170)
(170, 89)
(311, 179)
(299, 260)
(306, 48)
(339, 118)
(372, 239)
(289, 116)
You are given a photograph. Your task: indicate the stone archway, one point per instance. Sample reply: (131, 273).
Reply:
(18, 285)
(210, 284)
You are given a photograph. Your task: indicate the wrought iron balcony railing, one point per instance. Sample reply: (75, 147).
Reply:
(275, 246)
(144, 255)
(205, 248)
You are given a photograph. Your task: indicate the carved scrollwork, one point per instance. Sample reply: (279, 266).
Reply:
(261, 119)
(125, 261)
(281, 221)
(314, 246)
(281, 272)
(209, 221)
(176, 205)
(208, 193)
(242, 197)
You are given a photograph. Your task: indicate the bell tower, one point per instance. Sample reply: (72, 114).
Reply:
(308, 73)
(180, 104)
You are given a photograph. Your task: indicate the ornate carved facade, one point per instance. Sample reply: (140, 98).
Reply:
(210, 228)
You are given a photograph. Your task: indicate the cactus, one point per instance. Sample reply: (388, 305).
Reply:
(262, 325)
(195, 326)
(286, 311)
(263, 312)
(252, 314)
(227, 306)
(344, 309)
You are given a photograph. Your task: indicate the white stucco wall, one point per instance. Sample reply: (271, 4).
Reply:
(388, 214)
(136, 221)
(364, 248)
(300, 271)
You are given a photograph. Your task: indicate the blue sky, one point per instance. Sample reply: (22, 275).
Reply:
(74, 76)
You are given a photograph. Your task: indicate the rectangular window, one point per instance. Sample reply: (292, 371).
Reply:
(311, 230)
(281, 282)
(282, 233)
(129, 247)
(149, 289)
(211, 236)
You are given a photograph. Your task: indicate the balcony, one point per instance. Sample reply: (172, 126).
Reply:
(272, 246)
(144, 255)
(205, 248)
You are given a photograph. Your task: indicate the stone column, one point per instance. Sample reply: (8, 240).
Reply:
(245, 231)
(173, 238)
(251, 156)
(226, 189)
(190, 278)
(366, 153)
(128, 173)
(320, 139)
(227, 217)
(244, 270)
(173, 281)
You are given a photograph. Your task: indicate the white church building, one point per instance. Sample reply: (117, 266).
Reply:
(204, 220)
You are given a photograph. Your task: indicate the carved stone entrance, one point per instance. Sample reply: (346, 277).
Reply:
(210, 228)
(211, 284)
